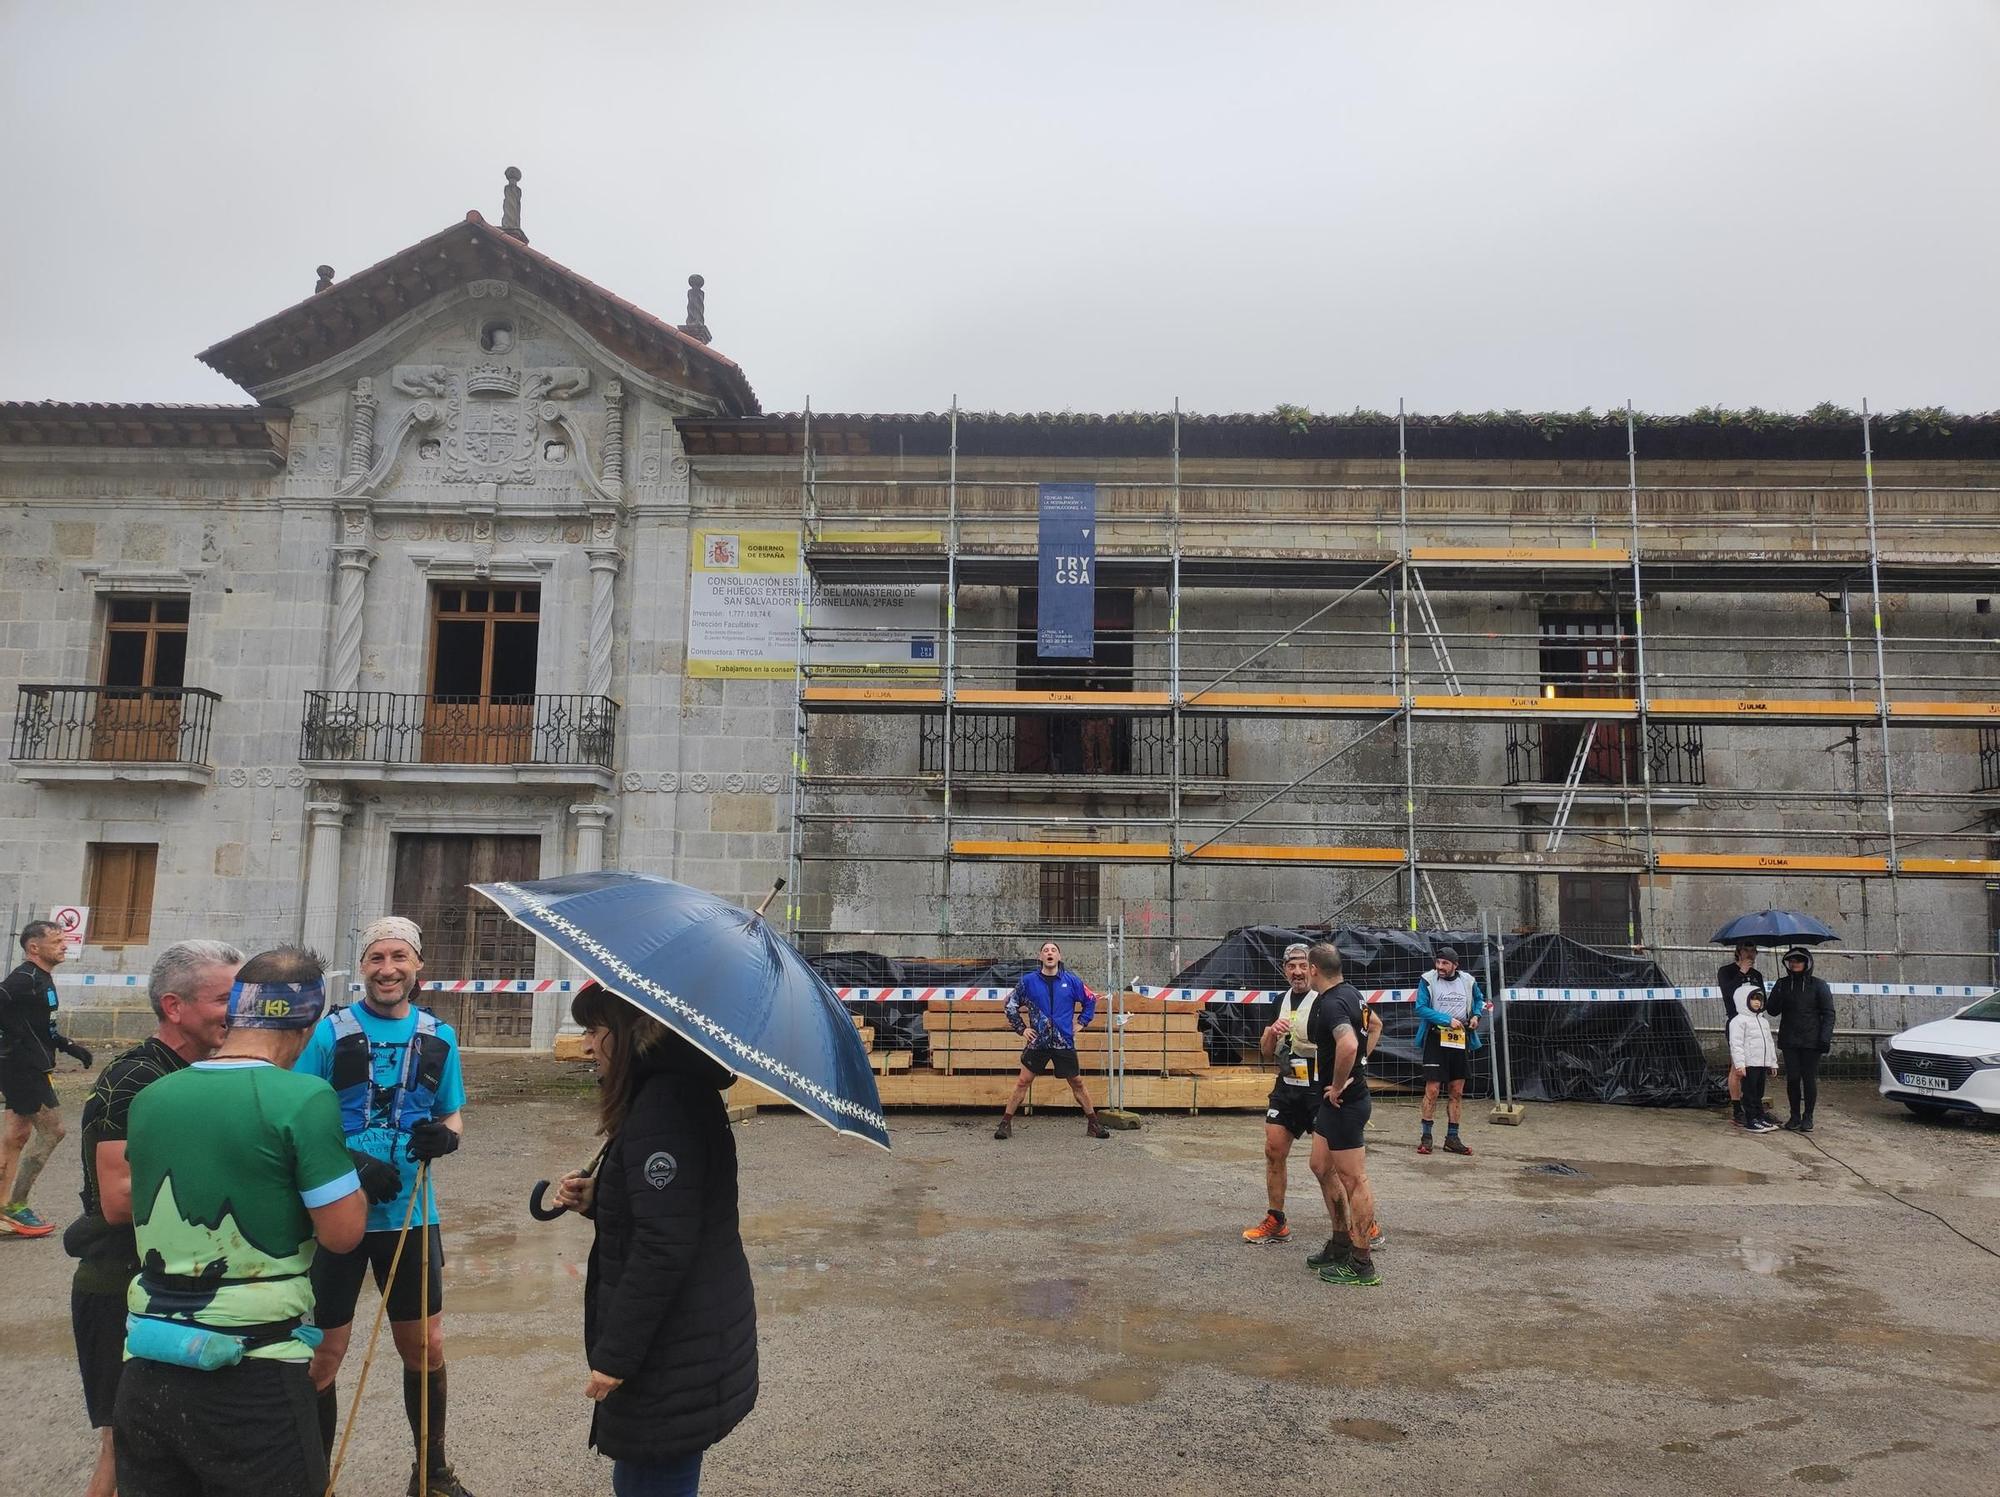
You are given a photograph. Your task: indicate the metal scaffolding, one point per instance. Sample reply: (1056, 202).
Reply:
(1521, 546)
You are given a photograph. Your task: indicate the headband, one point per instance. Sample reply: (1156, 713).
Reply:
(276, 1005)
(393, 928)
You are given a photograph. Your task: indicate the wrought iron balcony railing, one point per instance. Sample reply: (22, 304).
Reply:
(386, 727)
(1054, 743)
(1989, 758)
(113, 724)
(1543, 753)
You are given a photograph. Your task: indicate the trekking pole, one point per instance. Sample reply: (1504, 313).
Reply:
(381, 1312)
(424, 1330)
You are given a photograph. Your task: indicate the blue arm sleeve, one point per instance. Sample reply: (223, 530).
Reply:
(451, 1086)
(1014, 1009)
(1089, 1003)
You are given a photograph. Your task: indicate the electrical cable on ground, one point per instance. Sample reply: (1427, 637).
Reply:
(1990, 1252)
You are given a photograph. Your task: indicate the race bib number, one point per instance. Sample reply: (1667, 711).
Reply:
(1452, 1038)
(1298, 1071)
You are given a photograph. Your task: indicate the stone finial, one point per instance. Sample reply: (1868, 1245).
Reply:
(510, 205)
(325, 280)
(697, 324)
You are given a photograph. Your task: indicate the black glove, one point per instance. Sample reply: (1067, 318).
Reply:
(80, 1053)
(380, 1180)
(432, 1140)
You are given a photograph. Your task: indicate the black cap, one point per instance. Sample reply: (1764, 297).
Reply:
(1447, 953)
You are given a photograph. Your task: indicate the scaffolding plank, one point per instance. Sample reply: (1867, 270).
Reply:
(1541, 556)
(1098, 852)
(1296, 701)
(873, 696)
(1093, 700)
(1256, 852)
(1602, 707)
(1841, 709)
(1756, 862)
(1945, 711)
(1950, 867)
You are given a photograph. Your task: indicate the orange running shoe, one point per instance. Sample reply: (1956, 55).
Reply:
(1270, 1229)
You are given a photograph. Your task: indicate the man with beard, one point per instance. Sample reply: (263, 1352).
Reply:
(395, 1069)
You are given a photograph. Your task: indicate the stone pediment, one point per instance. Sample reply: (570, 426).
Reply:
(356, 321)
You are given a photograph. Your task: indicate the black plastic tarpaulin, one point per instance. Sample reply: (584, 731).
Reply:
(1644, 1052)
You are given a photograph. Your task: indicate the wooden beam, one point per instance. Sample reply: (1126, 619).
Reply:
(1085, 699)
(1949, 867)
(1945, 710)
(1839, 709)
(1296, 701)
(1536, 706)
(924, 696)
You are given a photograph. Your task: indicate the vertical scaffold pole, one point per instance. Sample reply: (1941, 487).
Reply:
(795, 843)
(1408, 686)
(1175, 722)
(1882, 685)
(1645, 744)
(950, 691)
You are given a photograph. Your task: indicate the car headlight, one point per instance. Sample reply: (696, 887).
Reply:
(1988, 1060)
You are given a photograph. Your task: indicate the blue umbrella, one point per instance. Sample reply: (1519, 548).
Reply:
(715, 974)
(1774, 928)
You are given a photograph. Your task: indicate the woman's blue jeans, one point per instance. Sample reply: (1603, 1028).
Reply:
(679, 1477)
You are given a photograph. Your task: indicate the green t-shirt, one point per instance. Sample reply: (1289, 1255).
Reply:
(227, 1158)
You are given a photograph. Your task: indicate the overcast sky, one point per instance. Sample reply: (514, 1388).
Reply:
(1483, 204)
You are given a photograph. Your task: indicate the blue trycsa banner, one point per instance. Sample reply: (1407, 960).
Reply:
(1066, 615)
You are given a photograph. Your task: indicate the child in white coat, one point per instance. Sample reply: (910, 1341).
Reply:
(1753, 1057)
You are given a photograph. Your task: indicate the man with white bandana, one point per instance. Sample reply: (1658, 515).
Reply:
(395, 1069)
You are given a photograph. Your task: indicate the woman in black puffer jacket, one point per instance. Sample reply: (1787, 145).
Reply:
(669, 1320)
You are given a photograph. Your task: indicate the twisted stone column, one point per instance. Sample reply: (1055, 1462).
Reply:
(345, 668)
(614, 436)
(361, 439)
(604, 564)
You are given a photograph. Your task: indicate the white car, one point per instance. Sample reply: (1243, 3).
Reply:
(1947, 1065)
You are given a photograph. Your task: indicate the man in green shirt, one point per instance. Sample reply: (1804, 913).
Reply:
(189, 988)
(238, 1172)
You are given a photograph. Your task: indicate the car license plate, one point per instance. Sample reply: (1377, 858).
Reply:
(1926, 1083)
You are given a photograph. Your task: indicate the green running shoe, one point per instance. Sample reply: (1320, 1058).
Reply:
(1350, 1272)
(1335, 1251)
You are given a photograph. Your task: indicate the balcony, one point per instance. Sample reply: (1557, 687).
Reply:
(1989, 758)
(383, 736)
(1545, 753)
(1057, 753)
(83, 734)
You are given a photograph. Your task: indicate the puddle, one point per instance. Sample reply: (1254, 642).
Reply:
(1372, 1431)
(1683, 1447)
(1599, 1174)
(1819, 1475)
(1793, 1267)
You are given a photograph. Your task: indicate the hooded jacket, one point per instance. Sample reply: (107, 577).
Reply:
(1428, 1012)
(667, 1303)
(1750, 1042)
(1044, 1008)
(1804, 1006)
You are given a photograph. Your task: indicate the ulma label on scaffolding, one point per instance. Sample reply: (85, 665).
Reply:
(1066, 608)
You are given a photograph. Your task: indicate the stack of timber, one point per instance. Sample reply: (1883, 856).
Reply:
(1160, 1039)
(884, 1061)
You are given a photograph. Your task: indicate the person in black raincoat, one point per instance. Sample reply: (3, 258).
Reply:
(669, 1321)
(1804, 1006)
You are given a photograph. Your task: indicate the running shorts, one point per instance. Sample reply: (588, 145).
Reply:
(1342, 1127)
(1443, 1064)
(336, 1278)
(1291, 1108)
(26, 1092)
(1060, 1057)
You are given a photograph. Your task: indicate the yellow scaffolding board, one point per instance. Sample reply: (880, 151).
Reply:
(1296, 701)
(1097, 852)
(983, 697)
(1541, 556)
(1768, 862)
(1950, 867)
(878, 696)
(1531, 706)
(1839, 708)
(1948, 711)
(1254, 852)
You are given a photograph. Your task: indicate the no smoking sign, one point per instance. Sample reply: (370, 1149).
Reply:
(75, 921)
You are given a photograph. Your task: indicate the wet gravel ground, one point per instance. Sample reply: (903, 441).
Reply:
(1695, 1310)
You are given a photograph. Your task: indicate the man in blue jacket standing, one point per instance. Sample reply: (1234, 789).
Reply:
(1449, 1006)
(1042, 1009)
